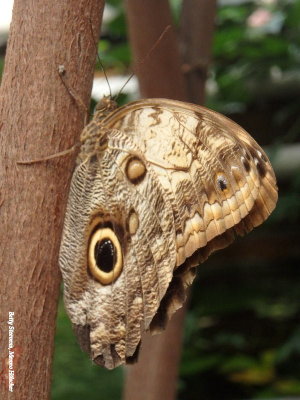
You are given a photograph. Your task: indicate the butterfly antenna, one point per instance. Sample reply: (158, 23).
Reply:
(99, 60)
(141, 61)
(105, 75)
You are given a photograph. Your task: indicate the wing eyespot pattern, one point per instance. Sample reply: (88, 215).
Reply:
(105, 258)
(221, 181)
(135, 170)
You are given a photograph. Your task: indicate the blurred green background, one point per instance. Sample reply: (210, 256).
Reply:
(242, 331)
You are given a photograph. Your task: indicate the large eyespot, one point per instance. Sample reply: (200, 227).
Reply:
(135, 170)
(105, 258)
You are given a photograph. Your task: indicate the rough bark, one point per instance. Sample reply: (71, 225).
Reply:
(197, 26)
(155, 374)
(38, 118)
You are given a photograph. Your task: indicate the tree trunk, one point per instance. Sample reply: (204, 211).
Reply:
(155, 374)
(38, 118)
(159, 72)
(197, 26)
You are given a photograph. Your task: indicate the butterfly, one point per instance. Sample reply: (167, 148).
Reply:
(158, 186)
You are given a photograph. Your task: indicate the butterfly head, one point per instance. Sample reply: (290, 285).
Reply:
(105, 106)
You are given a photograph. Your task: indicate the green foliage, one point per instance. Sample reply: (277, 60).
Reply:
(117, 57)
(114, 49)
(251, 60)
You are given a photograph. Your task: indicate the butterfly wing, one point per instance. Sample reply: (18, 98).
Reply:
(213, 172)
(169, 183)
(128, 214)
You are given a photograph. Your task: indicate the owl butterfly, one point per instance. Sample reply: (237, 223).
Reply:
(159, 185)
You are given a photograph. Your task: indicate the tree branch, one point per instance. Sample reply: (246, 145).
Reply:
(196, 34)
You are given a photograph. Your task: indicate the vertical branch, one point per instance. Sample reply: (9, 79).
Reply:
(155, 373)
(159, 73)
(38, 118)
(197, 26)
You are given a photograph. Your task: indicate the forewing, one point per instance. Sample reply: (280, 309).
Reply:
(217, 178)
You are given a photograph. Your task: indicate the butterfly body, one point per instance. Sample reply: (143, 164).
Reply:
(159, 184)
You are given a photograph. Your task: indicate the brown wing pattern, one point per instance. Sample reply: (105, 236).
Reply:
(213, 172)
(159, 185)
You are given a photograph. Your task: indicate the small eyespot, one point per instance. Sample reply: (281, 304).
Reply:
(221, 182)
(132, 222)
(105, 259)
(135, 170)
